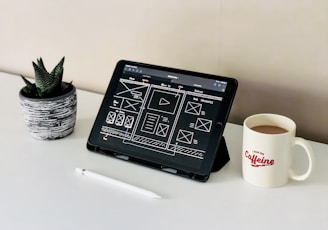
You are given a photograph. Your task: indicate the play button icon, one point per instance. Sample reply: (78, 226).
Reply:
(163, 101)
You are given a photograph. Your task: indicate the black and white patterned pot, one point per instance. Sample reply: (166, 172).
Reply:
(50, 118)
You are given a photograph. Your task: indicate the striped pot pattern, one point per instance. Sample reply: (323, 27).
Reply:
(50, 118)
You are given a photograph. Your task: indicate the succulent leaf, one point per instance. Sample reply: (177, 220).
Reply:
(59, 69)
(43, 79)
(27, 82)
(30, 88)
(55, 85)
(41, 65)
(65, 86)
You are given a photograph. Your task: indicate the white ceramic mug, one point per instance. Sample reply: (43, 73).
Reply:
(266, 157)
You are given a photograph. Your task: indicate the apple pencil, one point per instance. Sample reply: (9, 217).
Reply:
(118, 183)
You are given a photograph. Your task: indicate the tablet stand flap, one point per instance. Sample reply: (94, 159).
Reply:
(222, 156)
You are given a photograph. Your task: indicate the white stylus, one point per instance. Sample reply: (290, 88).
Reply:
(118, 183)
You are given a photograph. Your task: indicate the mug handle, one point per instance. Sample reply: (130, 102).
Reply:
(308, 149)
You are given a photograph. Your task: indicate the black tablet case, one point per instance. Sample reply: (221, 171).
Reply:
(165, 118)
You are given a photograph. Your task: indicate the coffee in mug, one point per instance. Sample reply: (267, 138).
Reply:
(269, 129)
(267, 146)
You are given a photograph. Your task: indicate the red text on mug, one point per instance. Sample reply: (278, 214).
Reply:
(258, 159)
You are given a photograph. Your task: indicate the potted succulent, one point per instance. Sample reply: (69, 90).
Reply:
(49, 104)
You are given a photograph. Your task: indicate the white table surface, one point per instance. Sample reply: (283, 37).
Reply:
(39, 188)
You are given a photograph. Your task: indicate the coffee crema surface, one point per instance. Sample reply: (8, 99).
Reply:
(269, 129)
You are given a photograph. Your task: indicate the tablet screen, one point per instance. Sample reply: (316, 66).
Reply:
(171, 119)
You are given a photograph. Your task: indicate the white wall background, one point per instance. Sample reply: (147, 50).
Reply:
(278, 50)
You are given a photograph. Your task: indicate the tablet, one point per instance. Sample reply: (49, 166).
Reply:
(165, 118)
